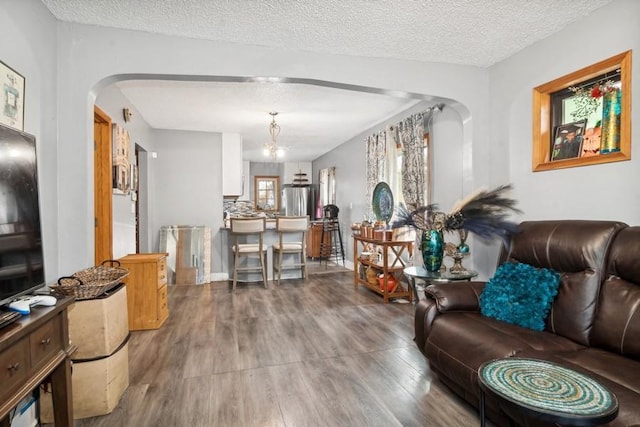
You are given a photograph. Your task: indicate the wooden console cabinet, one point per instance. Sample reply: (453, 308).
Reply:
(31, 349)
(314, 236)
(146, 290)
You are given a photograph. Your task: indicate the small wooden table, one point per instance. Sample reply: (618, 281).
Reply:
(415, 272)
(546, 391)
(392, 263)
(32, 349)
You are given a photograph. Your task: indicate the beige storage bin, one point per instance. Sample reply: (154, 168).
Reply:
(99, 326)
(97, 386)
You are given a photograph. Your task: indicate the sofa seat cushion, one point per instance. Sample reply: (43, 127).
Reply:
(604, 364)
(619, 374)
(460, 342)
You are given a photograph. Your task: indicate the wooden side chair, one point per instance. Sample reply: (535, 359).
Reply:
(247, 229)
(286, 226)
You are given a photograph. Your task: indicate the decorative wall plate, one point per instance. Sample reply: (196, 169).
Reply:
(382, 202)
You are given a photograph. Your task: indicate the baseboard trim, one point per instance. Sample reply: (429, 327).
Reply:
(219, 277)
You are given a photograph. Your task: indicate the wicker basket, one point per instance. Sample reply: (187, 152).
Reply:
(91, 282)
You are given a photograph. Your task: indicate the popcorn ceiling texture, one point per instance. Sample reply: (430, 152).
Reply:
(470, 32)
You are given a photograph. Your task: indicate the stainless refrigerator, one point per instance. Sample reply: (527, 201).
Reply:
(299, 200)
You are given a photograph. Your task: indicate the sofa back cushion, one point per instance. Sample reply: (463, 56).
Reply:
(577, 250)
(617, 323)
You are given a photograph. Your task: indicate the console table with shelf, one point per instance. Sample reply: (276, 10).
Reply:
(391, 264)
(32, 349)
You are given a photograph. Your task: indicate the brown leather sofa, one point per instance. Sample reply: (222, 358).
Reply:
(593, 327)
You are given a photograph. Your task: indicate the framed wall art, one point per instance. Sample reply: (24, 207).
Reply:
(584, 118)
(121, 160)
(12, 84)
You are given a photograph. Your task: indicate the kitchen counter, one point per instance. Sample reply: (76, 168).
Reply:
(270, 224)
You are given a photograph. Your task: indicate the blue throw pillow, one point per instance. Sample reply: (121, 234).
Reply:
(520, 294)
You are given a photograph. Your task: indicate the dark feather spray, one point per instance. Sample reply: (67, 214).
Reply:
(484, 213)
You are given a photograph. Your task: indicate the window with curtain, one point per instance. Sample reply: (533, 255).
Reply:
(400, 156)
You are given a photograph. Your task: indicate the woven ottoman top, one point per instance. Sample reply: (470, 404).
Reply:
(545, 387)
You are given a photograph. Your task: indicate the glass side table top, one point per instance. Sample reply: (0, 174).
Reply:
(416, 272)
(549, 391)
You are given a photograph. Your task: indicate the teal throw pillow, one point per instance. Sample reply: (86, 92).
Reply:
(520, 294)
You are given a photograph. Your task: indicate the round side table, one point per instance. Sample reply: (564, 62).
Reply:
(422, 273)
(546, 391)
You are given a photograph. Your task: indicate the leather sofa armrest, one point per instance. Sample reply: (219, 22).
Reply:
(426, 311)
(440, 298)
(456, 296)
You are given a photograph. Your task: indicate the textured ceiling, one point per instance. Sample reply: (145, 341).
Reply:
(472, 32)
(469, 32)
(313, 119)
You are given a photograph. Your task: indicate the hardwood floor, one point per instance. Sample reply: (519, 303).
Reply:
(312, 352)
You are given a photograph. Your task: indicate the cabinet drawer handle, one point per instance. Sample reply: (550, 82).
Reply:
(14, 367)
(45, 341)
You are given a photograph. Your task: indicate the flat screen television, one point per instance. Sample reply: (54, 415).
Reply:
(21, 256)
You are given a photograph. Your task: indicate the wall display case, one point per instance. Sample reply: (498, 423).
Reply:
(373, 257)
(584, 118)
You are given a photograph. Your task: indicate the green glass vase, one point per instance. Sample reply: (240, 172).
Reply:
(432, 247)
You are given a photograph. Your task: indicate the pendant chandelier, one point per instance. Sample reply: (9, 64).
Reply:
(271, 148)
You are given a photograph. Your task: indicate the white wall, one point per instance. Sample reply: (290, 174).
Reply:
(91, 56)
(494, 107)
(112, 101)
(351, 177)
(188, 182)
(29, 46)
(606, 191)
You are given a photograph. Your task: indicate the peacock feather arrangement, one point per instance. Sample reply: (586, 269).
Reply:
(484, 213)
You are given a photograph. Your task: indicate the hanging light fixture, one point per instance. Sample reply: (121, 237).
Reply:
(271, 148)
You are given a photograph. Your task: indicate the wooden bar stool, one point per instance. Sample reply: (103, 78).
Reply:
(246, 228)
(291, 225)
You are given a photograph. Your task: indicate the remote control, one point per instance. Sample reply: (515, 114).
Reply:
(47, 300)
(8, 317)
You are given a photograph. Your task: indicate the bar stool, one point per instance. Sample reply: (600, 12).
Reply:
(331, 235)
(246, 228)
(291, 225)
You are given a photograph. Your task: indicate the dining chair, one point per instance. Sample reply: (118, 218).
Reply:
(287, 226)
(250, 231)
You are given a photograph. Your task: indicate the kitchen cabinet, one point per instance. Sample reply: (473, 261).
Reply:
(232, 168)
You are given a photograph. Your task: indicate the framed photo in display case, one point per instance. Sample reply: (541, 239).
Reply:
(590, 110)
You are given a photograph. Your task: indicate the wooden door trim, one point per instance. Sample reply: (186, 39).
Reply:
(102, 186)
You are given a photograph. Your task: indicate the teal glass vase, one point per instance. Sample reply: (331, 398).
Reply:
(432, 247)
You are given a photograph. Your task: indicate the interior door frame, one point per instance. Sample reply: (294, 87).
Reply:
(102, 186)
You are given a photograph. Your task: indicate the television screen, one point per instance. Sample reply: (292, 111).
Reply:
(21, 259)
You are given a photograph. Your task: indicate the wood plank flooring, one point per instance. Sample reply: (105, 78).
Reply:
(313, 352)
